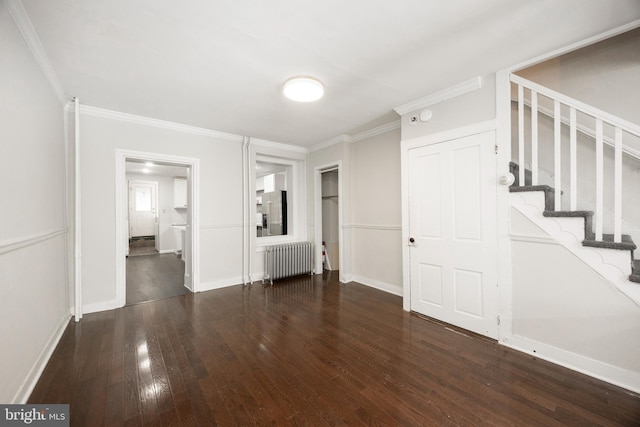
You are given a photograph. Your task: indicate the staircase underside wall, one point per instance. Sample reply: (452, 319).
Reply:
(564, 311)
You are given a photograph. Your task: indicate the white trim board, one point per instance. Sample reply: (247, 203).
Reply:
(121, 156)
(442, 95)
(22, 242)
(148, 121)
(377, 284)
(222, 283)
(384, 227)
(370, 133)
(575, 46)
(29, 383)
(611, 374)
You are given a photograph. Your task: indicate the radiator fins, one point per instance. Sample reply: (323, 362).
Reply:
(287, 260)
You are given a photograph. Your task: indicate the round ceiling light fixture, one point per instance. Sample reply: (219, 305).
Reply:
(303, 89)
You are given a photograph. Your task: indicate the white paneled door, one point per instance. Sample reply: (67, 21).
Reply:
(142, 208)
(452, 229)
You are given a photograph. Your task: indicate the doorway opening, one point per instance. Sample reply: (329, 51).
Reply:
(156, 227)
(330, 225)
(328, 220)
(143, 214)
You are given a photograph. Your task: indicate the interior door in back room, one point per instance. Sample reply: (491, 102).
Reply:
(452, 222)
(143, 197)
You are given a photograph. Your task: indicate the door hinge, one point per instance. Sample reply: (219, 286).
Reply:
(498, 320)
(496, 148)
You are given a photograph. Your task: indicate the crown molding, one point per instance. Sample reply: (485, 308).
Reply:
(329, 142)
(278, 145)
(147, 121)
(577, 45)
(451, 92)
(344, 138)
(378, 130)
(20, 17)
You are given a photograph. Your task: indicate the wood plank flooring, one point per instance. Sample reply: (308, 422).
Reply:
(154, 277)
(308, 351)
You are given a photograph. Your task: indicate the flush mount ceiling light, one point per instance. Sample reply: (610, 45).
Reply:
(303, 89)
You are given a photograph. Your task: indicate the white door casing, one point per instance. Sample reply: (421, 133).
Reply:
(192, 236)
(452, 219)
(142, 208)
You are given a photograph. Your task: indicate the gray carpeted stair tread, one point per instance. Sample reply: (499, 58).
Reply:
(514, 168)
(568, 214)
(524, 188)
(608, 243)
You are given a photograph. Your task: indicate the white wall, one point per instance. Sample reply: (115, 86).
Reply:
(220, 196)
(376, 215)
(604, 75)
(564, 311)
(34, 308)
(473, 107)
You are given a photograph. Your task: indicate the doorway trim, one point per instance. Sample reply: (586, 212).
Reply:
(121, 213)
(317, 207)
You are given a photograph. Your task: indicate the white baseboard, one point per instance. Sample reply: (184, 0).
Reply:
(101, 306)
(168, 251)
(387, 287)
(217, 284)
(621, 377)
(30, 382)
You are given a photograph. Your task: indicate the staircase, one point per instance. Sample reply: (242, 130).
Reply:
(580, 231)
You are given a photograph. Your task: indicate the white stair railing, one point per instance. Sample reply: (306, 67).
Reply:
(528, 94)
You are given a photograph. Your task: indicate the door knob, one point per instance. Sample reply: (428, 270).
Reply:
(412, 240)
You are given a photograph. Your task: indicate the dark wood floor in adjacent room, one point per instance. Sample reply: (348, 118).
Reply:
(154, 277)
(308, 351)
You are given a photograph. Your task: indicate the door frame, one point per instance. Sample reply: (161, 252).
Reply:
(482, 127)
(317, 207)
(121, 195)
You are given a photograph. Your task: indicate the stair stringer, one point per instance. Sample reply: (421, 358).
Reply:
(612, 264)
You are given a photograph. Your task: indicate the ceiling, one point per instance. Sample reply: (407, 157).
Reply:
(220, 64)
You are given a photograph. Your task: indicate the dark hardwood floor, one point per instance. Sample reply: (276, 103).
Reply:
(154, 277)
(308, 351)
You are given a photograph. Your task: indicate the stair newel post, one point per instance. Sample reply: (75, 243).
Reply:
(534, 137)
(599, 179)
(557, 154)
(521, 175)
(573, 159)
(617, 221)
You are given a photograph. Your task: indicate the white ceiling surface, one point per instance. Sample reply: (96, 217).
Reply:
(221, 64)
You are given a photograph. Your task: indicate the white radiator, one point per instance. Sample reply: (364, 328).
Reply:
(289, 259)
